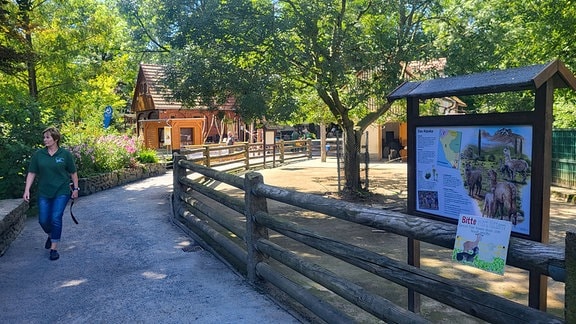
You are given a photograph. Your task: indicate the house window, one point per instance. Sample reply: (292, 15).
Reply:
(186, 136)
(143, 89)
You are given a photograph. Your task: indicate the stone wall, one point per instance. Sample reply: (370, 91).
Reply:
(101, 182)
(13, 211)
(12, 218)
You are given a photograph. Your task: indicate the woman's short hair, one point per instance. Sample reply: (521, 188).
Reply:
(54, 133)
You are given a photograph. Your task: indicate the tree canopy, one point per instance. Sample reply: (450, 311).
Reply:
(477, 36)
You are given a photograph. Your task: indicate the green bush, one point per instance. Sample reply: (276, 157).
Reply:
(147, 156)
(20, 136)
(95, 150)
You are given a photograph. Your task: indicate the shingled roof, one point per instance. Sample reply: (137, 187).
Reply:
(516, 79)
(153, 76)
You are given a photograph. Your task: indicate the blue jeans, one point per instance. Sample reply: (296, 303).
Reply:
(50, 211)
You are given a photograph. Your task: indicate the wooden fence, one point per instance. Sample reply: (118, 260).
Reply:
(245, 156)
(246, 245)
(258, 154)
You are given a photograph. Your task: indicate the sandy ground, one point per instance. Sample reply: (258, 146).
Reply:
(388, 182)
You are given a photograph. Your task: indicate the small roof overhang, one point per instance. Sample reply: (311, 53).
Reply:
(516, 79)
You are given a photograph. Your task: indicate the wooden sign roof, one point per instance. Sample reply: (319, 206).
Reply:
(515, 79)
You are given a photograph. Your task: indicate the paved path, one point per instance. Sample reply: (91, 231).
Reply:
(124, 263)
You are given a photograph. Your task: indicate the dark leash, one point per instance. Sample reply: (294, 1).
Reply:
(72, 204)
(71, 213)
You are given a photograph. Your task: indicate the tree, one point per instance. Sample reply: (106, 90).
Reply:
(85, 63)
(265, 53)
(75, 62)
(18, 54)
(480, 35)
(351, 53)
(12, 57)
(143, 25)
(65, 61)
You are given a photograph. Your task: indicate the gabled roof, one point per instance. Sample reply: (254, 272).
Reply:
(516, 79)
(153, 76)
(151, 83)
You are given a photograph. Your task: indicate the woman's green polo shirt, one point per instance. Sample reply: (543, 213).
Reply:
(53, 172)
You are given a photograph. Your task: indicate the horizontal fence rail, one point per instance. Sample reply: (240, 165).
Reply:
(245, 244)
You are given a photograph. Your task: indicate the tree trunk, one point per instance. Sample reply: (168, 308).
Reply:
(32, 84)
(25, 9)
(322, 142)
(352, 159)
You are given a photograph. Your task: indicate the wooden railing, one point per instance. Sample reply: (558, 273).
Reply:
(244, 242)
(248, 155)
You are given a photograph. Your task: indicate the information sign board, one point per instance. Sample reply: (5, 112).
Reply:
(475, 170)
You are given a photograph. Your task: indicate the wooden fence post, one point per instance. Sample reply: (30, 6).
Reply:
(309, 148)
(414, 260)
(207, 156)
(247, 155)
(177, 173)
(570, 286)
(282, 149)
(254, 232)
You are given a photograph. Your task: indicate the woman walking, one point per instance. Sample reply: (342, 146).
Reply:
(54, 167)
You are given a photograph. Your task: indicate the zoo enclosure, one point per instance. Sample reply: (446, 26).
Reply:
(563, 154)
(244, 241)
(564, 158)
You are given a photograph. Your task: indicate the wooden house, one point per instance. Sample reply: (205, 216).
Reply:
(167, 124)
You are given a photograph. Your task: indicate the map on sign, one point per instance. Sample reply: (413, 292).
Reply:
(481, 170)
(449, 144)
